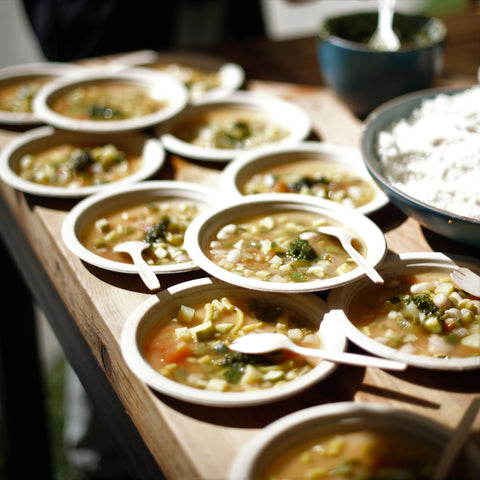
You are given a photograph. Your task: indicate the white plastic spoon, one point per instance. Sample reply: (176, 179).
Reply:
(384, 38)
(346, 237)
(466, 280)
(456, 442)
(135, 248)
(257, 343)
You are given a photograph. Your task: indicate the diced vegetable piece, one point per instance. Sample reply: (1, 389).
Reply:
(472, 340)
(216, 385)
(252, 375)
(203, 332)
(185, 314)
(183, 333)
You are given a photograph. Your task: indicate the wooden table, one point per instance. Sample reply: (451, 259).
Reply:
(87, 307)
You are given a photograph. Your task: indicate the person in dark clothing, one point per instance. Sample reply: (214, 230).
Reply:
(69, 30)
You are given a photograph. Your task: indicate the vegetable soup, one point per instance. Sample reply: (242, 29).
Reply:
(18, 96)
(361, 454)
(422, 313)
(231, 128)
(192, 347)
(68, 165)
(162, 224)
(107, 101)
(311, 177)
(282, 247)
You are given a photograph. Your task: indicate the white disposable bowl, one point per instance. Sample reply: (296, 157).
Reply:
(293, 429)
(151, 150)
(115, 198)
(340, 300)
(150, 312)
(162, 87)
(206, 225)
(29, 72)
(282, 112)
(247, 164)
(230, 75)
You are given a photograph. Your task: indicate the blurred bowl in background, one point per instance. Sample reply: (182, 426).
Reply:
(363, 77)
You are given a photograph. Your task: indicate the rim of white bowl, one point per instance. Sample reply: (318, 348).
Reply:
(311, 306)
(114, 198)
(285, 113)
(167, 88)
(283, 433)
(202, 229)
(248, 163)
(35, 69)
(151, 149)
(339, 301)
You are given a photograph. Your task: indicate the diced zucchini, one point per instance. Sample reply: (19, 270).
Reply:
(223, 327)
(203, 332)
(102, 225)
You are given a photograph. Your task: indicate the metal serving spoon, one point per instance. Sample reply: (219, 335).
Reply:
(135, 248)
(257, 343)
(346, 237)
(384, 38)
(466, 280)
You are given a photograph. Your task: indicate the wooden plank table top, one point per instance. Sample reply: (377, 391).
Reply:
(190, 441)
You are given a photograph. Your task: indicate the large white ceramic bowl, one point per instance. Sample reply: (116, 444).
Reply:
(294, 429)
(205, 227)
(190, 68)
(162, 87)
(115, 198)
(37, 140)
(23, 75)
(309, 307)
(282, 113)
(340, 300)
(333, 159)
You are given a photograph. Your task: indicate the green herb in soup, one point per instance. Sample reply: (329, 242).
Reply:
(192, 347)
(281, 247)
(107, 101)
(161, 224)
(231, 128)
(364, 454)
(18, 96)
(311, 177)
(422, 314)
(69, 165)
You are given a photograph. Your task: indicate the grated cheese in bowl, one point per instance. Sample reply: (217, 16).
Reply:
(434, 154)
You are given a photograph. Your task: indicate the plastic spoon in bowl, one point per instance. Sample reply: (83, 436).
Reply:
(457, 440)
(135, 248)
(346, 237)
(466, 280)
(258, 343)
(384, 38)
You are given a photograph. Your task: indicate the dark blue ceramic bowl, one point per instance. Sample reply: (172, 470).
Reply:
(365, 78)
(456, 227)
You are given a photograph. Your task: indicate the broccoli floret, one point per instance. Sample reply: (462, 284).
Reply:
(300, 249)
(307, 182)
(425, 304)
(157, 232)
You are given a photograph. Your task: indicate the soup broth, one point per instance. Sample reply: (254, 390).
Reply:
(18, 96)
(68, 165)
(281, 247)
(161, 224)
(106, 102)
(422, 314)
(359, 455)
(231, 128)
(311, 177)
(192, 347)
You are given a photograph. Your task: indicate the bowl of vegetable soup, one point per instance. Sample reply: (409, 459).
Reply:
(102, 100)
(324, 170)
(178, 343)
(418, 316)
(270, 242)
(157, 212)
(217, 130)
(60, 163)
(348, 440)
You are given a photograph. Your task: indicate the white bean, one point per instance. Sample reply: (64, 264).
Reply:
(421, 287)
